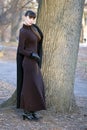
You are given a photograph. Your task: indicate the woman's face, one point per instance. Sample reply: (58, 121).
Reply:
(29, 21)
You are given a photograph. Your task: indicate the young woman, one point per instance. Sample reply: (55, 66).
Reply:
(30, 86)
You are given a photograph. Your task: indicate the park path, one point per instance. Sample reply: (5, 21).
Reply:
(81, 77)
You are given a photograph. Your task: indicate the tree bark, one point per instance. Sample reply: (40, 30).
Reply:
(11, 101)
(60, 22)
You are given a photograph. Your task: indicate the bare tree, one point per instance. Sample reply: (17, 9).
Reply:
(11, 15)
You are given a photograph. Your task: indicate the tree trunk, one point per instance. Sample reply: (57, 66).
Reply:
(1, 30)
(10, 102)
(2, 36)
(60, 21)
(14, 26)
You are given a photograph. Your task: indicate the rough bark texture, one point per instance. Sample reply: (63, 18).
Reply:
(60, 21)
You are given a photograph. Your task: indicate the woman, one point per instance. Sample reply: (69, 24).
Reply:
(30, 86)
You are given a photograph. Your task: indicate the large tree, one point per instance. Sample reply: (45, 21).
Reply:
(60, 21)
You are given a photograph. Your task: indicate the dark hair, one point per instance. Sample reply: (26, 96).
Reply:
(31, 14)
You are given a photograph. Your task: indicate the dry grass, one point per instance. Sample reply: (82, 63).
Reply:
(11, 44)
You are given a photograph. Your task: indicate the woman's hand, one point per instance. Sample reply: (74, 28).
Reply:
(28, 21)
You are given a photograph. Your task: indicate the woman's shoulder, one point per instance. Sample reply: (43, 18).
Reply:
(39, 30)
(22, 30)
(36, 26)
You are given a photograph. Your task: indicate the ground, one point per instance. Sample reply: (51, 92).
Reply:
(11, 119)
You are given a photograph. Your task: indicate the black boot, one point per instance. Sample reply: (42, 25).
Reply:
(27, 115)
(35, 116)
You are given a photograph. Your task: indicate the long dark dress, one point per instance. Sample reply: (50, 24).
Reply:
(32, 96)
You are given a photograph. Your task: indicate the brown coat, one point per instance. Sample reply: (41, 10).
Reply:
(30, 86)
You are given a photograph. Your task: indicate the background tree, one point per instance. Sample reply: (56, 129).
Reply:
(11, 15)
(1, 12)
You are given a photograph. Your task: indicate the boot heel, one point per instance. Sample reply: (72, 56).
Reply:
(24, 117)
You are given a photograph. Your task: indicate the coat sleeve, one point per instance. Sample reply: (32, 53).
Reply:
(21, 46)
